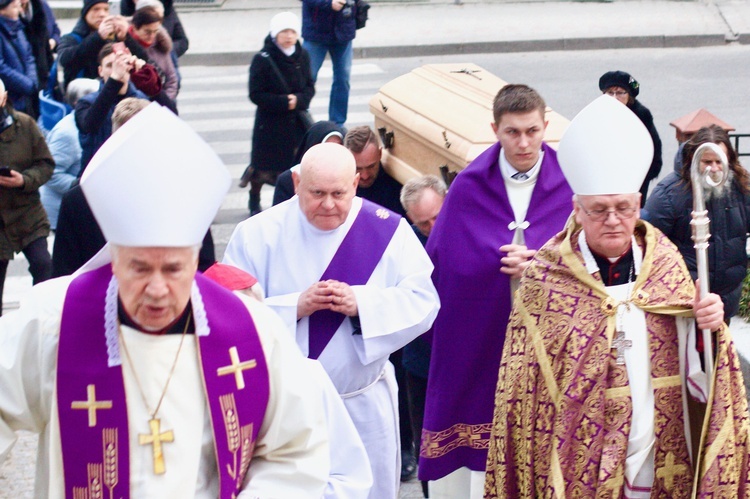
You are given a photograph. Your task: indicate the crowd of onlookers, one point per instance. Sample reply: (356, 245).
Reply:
(105, 60)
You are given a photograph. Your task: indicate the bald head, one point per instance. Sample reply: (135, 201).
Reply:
(330, 158)
(326, 185)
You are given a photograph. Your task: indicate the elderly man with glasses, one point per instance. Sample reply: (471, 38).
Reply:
(600, 378)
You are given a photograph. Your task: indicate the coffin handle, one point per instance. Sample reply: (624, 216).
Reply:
(447, 142)
(386, 137)
(447, 174)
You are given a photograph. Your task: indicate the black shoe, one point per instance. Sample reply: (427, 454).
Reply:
(408, 465)
(245, 178)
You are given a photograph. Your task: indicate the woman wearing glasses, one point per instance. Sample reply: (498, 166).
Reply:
(625, 88)
(671, 204)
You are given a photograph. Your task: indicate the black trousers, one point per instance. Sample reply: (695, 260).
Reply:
(40, 264)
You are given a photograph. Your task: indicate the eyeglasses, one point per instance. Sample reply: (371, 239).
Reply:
(616, 93)
(621, 212)
(150, 32)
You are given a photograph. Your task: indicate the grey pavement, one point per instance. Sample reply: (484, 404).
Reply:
(230, 33)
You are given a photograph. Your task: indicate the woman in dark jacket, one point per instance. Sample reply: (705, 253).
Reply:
(171, 23)
(670, 205)
(625, 88)
(34, 17)
(17, 64)
(282, 87)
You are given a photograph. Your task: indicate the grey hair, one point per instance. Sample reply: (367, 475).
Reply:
(412, 189)
(78, 88)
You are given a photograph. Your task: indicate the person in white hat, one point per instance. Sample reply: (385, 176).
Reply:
(282, 87)
(600, 365)
(143, 378)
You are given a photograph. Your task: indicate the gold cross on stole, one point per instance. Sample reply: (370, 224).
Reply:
(155, 439)
(236, 368)
(91, 404)
(621, 343)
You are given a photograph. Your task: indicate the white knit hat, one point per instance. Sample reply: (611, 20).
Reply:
(155, 182)
(282, 21)
(605, 150)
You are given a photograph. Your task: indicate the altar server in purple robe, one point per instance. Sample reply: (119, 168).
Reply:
(352, 284)
(504, 206)
(143, 378)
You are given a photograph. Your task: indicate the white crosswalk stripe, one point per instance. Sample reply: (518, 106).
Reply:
(214, 100)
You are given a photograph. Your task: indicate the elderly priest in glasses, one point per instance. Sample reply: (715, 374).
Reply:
(599, 368)
(142, 378)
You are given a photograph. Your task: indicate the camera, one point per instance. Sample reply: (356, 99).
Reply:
(347, 10)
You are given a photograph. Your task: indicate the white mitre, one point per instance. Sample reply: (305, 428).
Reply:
(605, 150)
(155, 182)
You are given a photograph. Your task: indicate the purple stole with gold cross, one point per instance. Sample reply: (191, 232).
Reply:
(91, 400)
(354, 261)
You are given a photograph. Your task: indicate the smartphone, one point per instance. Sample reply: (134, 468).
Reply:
(5, 171)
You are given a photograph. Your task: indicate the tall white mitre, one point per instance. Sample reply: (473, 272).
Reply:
(605, 150)
(155, 182)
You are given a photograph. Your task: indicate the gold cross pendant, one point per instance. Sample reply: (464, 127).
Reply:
(155, 439)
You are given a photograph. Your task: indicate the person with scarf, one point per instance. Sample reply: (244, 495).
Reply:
(282, 87)
(146, 29)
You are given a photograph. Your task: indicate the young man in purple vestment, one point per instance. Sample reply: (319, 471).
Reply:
(506, 204)
(352, 283)
(144, 378)
(599, 384)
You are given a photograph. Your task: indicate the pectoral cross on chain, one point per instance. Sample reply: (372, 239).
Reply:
(621, 343)
(155, 439)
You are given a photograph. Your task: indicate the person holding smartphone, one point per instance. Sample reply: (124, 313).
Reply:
(26, 165)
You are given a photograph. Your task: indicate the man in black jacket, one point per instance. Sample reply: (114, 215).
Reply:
(79, 50)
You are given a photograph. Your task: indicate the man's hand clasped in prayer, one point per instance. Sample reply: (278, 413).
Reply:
(327, 295)
(516, 260)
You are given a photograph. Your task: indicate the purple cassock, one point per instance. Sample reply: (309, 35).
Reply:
(469, 332)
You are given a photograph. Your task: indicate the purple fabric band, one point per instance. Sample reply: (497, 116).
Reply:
(82, 362)
(89, 459)
(236, 413)
(364, 244)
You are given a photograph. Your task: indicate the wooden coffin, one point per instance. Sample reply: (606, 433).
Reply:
(439, 115)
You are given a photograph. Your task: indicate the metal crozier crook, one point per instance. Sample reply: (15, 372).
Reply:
(701, 234)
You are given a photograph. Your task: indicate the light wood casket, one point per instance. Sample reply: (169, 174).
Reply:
(439, 115)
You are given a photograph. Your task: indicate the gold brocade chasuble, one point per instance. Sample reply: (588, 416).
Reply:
(562, 407)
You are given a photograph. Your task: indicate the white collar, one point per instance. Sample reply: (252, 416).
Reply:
(508, 170)
(592, 266)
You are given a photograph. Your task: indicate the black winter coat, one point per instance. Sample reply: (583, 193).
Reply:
(648, 121)
(668, 209)
(278, 131)
(38, 35)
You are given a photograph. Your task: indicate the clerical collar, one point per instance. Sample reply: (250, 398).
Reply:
(612, 273)
(176, 327)
(508, 170)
